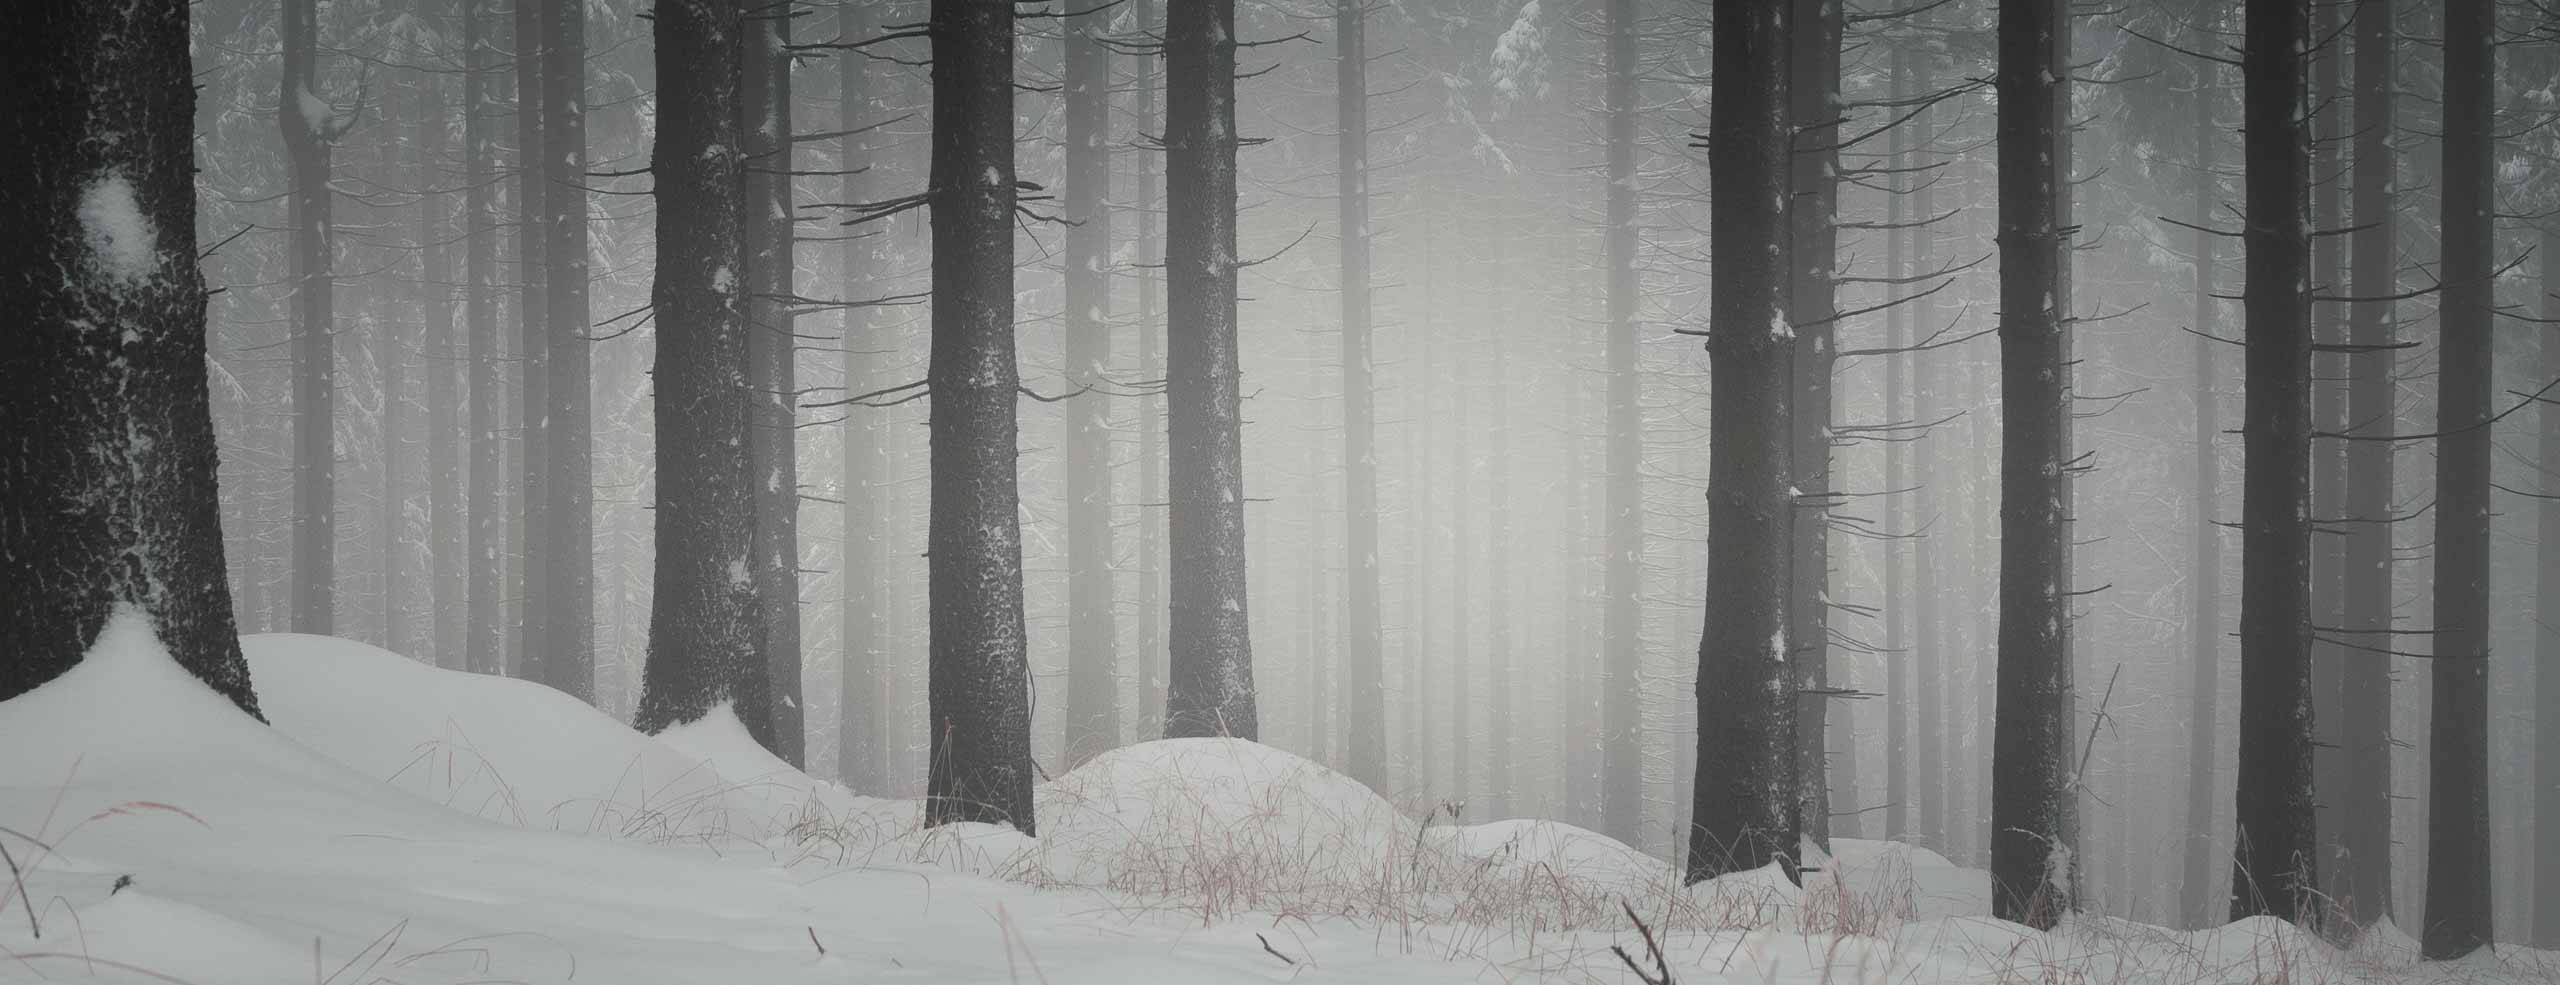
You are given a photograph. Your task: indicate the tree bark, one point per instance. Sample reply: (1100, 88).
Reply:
(2035, 815)
(1746, 811)
(308, 123)
(705, 627)
(1815, 246)
(2326, 96)
(981, 711)
(108, 506)
(2362, 890)
(1363, 694)
(1093, 638)
(2458, 912)
(1211, 691)
(765, 223)
(568, 619)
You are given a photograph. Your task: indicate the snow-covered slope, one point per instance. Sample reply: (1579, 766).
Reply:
(401, 824)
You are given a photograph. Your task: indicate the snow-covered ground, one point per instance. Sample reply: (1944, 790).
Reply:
(404, 824)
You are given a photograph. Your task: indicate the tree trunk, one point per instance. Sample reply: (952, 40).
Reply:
(532, 519)
(1899, 519)
(1212, 691)
(862, 738)
(2546, 679)
(2328, 382)
(2362, 889)
(2035, 817)
(1461, 663)
(705, 628)
(108, 503)
(1151, 547)
(482, 635)
(1502, 768)
(1815, 247)
(1930, 693)
(2458, 910)
(2276, 859)
(1093, 638)
(1363, 694)
(1746, 811)
(981, 710)
(446, 552)
(309, 125)
(1621, 644)
(568, 620)
(2204, 615)
(765, 223)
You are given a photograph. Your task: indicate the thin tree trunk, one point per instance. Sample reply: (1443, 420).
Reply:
(980, 768)
(1621, 759)
(2328, 383)
(1815, 247)
(108, 502)
(568, 619)
(1212, 690)
(2035, 816)
(2546, 708)
(1746, 811)
(1151, 462)
(1461, 663)
(1502, 768)
(862, 737)
(2362, 890)
(533, 586)
(1363, 694)
(1930, 693)
(765, 223)
(705, 629)
(1897, 596)
(309, 125)
(2458, 912)
(484, 636)
(2204, 615)
(1093, 638)
(446, 552)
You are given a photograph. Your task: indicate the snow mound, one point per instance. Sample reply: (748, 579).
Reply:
(1221, 819)
(523, 754)
(1907, 881)
(1552, 850)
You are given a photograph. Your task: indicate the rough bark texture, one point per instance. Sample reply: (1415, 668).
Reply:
(2204, 612)
(1211, 688)
(765, 223)
(705, 634)
(1093, 638)
(2034, 814)
(2275, 859)
(2458, 913)
(979, 693)
(862, 736)
(2362, 889)
(107, 500)
(1746, 811)
(309, 126)
(1815, 245)
(1622, 578)
(485, 582)
(2546, 678)
(567, 653)
(1363, 692)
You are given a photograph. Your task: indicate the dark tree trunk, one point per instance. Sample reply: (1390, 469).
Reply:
(309, 126)
(981, 710)
(1363, 694)
(1745, 811)
(765, 225)
(2546, 706)
(1897, 596)
(862, 735)
(1211, 691)
(483, 635)
(705, 628)
(2362, 890)
(1093, 639)
(2034, 814)
(526, 658)
(2327, 95)
(2276, 860)
(107, 491)
(445, 548)
(1815, 248)
(1622, 579)
(2458, 913)
(2204, 615)
(568, 535)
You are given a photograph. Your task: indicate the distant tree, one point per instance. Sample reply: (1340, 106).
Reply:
(1093, 638)
(532, 555)
(567, 652)
(1746, 811)
(1363, 692)
(1622, 573)
(2276, 858)
(2361, 887)
(2204, 615)
(980, 768)
(1150, 645)
(862, 735)
(483, 637)
(447, 551)
(107, 491)
(1897, 404)
(2034, 803)
(1211, 690)
(310, 125)
(2458, 912)
(705, 628)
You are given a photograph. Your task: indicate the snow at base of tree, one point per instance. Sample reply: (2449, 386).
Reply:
(402, 823)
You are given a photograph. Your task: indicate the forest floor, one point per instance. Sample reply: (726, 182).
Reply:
(404, 824)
